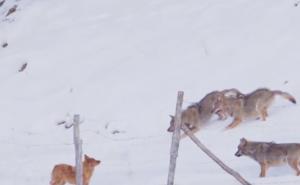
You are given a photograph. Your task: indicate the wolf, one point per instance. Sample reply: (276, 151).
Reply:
(231, 103)
(64, 173)
(269, 154)
(198, 114)
(249, 106)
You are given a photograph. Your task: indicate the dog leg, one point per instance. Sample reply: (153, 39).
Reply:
(61, 182)
(55, 182)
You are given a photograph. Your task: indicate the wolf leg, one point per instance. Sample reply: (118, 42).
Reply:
(294, 164)
(259, 110)
(263, 113)
(266, 111)
(236, 121)
(221, 115)
(263, 169)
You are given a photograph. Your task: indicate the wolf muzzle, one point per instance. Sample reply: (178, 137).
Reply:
(238, 154)
(171, 129)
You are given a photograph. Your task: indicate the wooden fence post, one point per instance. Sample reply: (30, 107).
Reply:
(213, 157)
(175, 140)
(78, 150)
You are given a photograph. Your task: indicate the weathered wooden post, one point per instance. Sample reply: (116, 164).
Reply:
(235, 174)
(78, 150)
(175, 139)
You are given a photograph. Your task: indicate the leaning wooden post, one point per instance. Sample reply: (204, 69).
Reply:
(78, 150)
(175, 140)
(213, 157)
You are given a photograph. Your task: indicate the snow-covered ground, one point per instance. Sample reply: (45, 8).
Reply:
(119, 64)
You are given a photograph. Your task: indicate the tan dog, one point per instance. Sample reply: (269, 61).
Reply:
(269, 154)
(64, 173)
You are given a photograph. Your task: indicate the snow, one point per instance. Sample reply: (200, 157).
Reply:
(119, 64)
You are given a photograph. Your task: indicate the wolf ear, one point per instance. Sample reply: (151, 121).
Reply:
(243, 141)
(171, 116)
(86, 157)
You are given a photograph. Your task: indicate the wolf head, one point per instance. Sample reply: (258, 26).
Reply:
(249, 148)
(172, 124)
(91, 162)
(244, 148)
(220, 103)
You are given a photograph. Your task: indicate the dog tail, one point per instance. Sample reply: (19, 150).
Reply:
(285, 95)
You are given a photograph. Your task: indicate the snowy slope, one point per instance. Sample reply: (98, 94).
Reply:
(119, 64)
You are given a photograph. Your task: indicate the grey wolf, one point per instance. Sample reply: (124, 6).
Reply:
(269, 154)
(232, 102)
(197, 115)
(249, 106)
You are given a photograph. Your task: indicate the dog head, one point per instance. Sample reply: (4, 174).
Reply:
(91, 162)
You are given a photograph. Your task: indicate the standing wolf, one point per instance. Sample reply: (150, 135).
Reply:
(197, 115)
(249, 106)
(269, 154)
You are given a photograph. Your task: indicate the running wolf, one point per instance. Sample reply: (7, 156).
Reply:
(197, 115)
(269, 154)
(64, 173)
(249, 106)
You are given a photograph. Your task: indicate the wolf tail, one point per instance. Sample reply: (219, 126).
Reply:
(285, 95)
